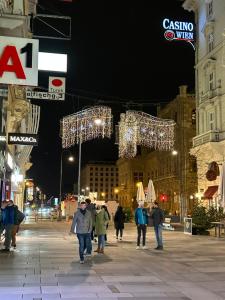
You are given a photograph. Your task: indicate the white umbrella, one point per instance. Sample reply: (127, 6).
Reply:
(150, 197)
(140, 193)
(221, 188)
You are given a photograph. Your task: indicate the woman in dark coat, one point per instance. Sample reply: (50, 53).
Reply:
(119, 220)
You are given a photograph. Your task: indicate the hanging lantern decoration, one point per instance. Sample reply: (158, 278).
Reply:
(85, 125)
(138, 128)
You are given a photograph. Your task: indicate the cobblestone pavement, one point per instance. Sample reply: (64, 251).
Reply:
(46, 266)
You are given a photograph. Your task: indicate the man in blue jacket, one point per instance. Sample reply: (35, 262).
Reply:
(141, 220)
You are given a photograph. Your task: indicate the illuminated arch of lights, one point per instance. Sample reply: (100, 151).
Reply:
(138, 128)
(85, 125)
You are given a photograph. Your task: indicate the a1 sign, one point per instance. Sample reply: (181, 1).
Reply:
(18, 61)
(57, 85)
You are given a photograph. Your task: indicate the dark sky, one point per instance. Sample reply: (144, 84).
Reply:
(117, 51)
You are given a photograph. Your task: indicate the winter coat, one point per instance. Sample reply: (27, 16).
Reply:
(141, 216)
(119, 219)
(92, 209)
(81, 222)
(10, 215)
(157, 216)
(101, 221)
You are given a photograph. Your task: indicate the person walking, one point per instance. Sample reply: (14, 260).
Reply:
(100, 228)
(92, 209)
(82, 226)
(9, 222)
(119, 220)
(157, 217)
(141, 220)
(107, 224)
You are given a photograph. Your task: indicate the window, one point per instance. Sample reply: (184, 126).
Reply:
(107, 169)
(91, 174)
(211, 120)
(210, 42)
(101, 174)
(112, 169)
(101, 179)
(96, 169)
(91, 184)
(211, 81)
(106, 174)
(101, 169)
(101, 184)
(210, 9)
(96, 179)
(91, 169)
(112, 174)
(107, 179)
(193, 117)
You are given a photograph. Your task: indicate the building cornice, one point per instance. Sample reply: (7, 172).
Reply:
(190, 5)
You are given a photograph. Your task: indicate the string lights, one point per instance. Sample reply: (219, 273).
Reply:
(138, 128)
(88, 124)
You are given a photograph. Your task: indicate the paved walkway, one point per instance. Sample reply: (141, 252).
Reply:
(46, 266)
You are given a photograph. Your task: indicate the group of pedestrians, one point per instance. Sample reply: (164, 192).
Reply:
(10, 219)
(143, 218)
(89, 221)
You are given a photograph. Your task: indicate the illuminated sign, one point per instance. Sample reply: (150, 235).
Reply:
(23, 139)
(18, 61)
(52, 62)
(180, 31)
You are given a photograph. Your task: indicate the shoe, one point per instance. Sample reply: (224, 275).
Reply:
(97, 250)
(14, 246)
(117, 237)
(120, 239)
(81, 261)
(101, 251)
(159, 248)
(138, 248)
(144, 247)
(88, 255)
(5, 250)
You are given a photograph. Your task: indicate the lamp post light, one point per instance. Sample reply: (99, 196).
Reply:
(70, 159)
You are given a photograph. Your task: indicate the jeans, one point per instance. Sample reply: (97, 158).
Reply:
(158, 234)
(8, 235)
(141, 229)
(14, 232)
(101, 241)
(84, 242)
(119, 231)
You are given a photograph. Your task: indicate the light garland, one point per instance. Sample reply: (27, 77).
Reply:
(138, 128)
(88, 124)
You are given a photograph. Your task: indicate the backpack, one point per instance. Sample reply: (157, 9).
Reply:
(20, 216)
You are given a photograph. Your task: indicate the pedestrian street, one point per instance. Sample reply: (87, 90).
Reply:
(46, 266)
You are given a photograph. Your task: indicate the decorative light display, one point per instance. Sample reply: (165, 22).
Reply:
(138, 128)
(88, 124)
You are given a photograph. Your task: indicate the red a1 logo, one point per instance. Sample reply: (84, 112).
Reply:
(18, 61)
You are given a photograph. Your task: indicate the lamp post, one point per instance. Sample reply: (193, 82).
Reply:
(70, 159)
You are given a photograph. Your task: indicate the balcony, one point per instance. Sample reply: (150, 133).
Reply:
(210, 94)
(210, 136)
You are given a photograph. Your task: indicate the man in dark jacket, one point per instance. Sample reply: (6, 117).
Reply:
(158, 217)
(9, 219)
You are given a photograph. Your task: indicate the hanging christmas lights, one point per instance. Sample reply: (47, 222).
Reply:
(88, 124)
(138, 128)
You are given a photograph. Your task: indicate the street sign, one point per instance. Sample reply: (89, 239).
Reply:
(3, 92)
(57, 85)
(45, 96)
(19, 61)
(187, 225)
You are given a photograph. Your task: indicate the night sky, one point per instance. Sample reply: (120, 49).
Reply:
(117, 54)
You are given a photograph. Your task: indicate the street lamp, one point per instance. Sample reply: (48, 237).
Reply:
(70, 159)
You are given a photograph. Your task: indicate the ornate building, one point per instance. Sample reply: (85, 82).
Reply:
(173, 174)
(18, 115)
(209, 142)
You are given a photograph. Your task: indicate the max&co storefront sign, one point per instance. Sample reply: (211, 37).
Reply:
(179, 31)
(23, 139)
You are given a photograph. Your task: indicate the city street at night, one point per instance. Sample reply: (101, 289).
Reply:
(46, 266)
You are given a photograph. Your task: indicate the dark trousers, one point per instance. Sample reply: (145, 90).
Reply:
(120, 230)
(141, 230)
(84, 242)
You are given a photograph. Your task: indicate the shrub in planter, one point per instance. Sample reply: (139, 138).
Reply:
(200, 220)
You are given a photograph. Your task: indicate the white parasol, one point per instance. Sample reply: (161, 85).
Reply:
(150, 197)
(140, 193)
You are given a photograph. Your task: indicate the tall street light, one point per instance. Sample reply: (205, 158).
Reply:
(70, 159)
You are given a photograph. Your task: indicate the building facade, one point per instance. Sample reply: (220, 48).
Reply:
(18, 115)
(173, 174)
(100, 179)
(209, 142)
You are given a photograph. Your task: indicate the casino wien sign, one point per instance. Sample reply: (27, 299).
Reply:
(180, 31)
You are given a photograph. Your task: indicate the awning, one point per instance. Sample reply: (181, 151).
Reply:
(211, 190)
